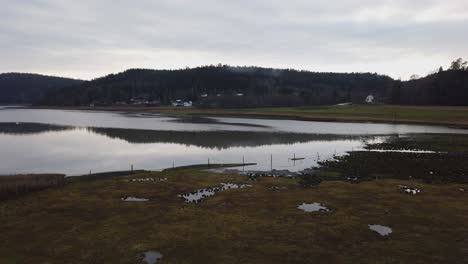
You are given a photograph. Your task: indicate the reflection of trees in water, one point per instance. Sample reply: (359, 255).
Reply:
(206, 139)
(208, 120)
(214, 139)
(30, 128)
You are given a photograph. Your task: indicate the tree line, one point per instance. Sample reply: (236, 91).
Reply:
(223, 86)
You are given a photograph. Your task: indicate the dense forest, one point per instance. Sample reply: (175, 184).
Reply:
(25, 88)
(233, 87)
(225, 86)
(442, 88)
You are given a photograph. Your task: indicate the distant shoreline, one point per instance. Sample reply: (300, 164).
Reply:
(449, 116)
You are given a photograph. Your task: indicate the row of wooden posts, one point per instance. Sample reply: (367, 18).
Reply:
(243, 162)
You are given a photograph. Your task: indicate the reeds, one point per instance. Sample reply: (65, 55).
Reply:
(15, 185)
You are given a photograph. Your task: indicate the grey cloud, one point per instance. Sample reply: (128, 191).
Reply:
(89, 38)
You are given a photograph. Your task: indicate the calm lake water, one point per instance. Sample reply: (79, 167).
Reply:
(75, 142)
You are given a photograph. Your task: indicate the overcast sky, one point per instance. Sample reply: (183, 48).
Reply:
(90, 38)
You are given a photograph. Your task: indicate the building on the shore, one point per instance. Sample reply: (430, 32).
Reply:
(180, 103)
(370, 99)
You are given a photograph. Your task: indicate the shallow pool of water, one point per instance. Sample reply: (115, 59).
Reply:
(199, 195)
(152, 257)
(134, 199)
(313, 207)
(381, 230)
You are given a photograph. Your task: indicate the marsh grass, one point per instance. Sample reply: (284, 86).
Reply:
(16, 185)
(86, 222)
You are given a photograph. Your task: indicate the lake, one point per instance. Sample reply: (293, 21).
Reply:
(76, 142)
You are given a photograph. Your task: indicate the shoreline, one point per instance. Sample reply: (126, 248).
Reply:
(291, 114)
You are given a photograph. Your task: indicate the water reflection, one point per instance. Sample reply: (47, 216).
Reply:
(79, 150)
(174, 123)
(75, 142)
(205, 139)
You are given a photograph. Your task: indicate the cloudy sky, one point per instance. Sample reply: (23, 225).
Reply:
(90, 38)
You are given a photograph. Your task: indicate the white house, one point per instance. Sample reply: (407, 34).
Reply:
(180, 103)
(370, 99)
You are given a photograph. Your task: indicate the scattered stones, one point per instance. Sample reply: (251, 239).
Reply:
(381, 230)
(134, 199)
(147, 180)
(278, 188)
(408, 190)
(313, 207)
(253, 175)
(198, 195)
(152, 257)
(353, 179)
(463, 190)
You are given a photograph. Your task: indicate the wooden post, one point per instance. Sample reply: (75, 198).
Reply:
(208, 162)
(271, 162)
(243, 163)
(132, 169)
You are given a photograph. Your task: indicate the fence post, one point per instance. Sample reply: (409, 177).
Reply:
(271, 162)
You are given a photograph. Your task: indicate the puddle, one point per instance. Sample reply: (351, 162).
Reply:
(353, 180)
(152, 257)
(251, 174)
(134, 199)
(313, 207)
(198, 195)
(408, 190)
(147, 180)
(382, 230)
(403, 151)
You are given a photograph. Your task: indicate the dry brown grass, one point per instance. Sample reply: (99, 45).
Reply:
(15, 185)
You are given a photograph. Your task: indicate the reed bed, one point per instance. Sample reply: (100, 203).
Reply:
(16, 185)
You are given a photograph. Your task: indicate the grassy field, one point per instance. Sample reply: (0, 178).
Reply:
(87, 222)
(437, 115)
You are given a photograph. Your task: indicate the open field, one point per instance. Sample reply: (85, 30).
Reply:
(435, 115)
(87, 222)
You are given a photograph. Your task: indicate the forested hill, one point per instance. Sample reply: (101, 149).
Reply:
(24, 88)
(225, 86)
(442, 88)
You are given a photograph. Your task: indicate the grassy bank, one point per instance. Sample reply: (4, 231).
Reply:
(436, 115)
(16, 185)
(87, 222)
(445, 161)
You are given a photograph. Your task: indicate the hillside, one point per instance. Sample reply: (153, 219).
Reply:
(21, 88)
(226, 87)
(235, 87)
(442, 88)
